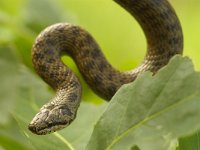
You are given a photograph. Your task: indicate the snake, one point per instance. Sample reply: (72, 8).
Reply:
(164, 38)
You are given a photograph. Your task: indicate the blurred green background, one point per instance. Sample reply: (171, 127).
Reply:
(118, 34)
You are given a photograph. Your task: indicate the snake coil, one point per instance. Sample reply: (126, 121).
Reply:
(164, 39)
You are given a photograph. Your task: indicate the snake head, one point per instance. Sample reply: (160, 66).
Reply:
(51, 118)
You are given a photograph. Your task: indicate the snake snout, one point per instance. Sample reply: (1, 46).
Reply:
(32, 128)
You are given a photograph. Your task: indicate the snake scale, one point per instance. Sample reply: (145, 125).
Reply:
(164, 40)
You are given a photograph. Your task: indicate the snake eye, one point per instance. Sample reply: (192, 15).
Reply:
(65, 111)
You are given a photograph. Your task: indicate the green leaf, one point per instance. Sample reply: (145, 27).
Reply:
(10, 136)
(9, 81)
(155, 109)
(191, 142)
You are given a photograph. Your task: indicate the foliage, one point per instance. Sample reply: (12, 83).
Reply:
(22, 92)
(166, 104)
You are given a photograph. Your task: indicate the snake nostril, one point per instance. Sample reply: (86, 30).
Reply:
(32, 128)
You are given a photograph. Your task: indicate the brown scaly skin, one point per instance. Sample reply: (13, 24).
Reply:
(164, 38)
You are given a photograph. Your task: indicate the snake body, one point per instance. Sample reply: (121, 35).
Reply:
(164, 40)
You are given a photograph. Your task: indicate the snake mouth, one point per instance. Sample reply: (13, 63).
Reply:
(51, 127)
